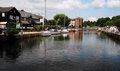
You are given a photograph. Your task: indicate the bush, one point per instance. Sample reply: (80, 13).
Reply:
(11, 28)
(12, 31)
(11, 25)
(0, 30)
(38, 27)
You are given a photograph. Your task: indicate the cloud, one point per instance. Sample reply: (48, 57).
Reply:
(113, 3)
(98, 3)
(92, 19)
(71, 4)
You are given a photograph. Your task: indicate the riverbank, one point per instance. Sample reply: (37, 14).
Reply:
(111, 34)
(22, 35)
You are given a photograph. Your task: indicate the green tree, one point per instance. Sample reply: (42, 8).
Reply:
(110, 23)
(89, 23)
(62, 19)
(51, 22)
(102, 21)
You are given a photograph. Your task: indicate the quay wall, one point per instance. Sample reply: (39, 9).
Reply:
(21, 36)
(112, 35)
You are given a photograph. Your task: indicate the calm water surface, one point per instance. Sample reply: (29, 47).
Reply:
(75, 51)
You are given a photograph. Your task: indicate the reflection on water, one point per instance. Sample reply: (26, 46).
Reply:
(74, 51)
(76, 36)
(62, 37)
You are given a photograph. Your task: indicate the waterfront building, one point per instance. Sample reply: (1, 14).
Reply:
(29, 19)
(76, 23)
(9, 14)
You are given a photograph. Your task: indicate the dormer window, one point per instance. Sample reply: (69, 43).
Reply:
(3, 14)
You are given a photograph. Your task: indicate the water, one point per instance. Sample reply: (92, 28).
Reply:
(80, 51)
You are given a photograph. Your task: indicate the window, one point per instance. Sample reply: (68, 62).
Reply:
(3, 14)
(11, 17)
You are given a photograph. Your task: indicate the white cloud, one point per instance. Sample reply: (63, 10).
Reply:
(92, 19)
(71, 4)
(98, 3)
(113, 3)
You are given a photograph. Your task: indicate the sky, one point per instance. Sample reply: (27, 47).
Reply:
(87, 9)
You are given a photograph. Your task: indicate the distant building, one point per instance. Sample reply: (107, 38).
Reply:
(76, 23)
(9, 14)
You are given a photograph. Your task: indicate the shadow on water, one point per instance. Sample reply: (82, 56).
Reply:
(11, 47)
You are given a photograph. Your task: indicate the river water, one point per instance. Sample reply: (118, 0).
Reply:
(75, 51)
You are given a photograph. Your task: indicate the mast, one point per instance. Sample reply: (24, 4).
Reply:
(45, 13)
(44, 21)
(64, 20)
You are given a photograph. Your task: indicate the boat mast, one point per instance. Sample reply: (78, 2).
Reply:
(64, 20)
(45, 12)
(44, 17)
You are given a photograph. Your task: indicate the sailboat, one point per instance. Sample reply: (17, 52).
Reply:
(45, 32)
(64, 30)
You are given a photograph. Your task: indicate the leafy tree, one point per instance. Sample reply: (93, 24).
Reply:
(51, 22)
(62, 19)
(110, 23)
(102, 21)
(117, 22)
(89, 23)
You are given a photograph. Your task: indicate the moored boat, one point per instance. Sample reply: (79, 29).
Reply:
(45, 33)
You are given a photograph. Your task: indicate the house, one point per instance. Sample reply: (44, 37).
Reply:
(29, 19)
(9, 14)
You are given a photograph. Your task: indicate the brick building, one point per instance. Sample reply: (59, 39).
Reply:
(76, 23)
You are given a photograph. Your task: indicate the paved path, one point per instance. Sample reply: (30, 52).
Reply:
(29, 32)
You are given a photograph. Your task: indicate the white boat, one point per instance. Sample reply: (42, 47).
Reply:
(64, 31)
(45, 33)
(55, 32)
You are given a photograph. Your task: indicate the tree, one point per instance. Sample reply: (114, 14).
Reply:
(102, 21)
(110, 23)
(51, 22)
(62, 19)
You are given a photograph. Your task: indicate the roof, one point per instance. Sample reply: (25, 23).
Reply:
(27, 14)
(5, 9)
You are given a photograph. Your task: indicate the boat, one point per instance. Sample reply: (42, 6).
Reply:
(64, 30)
(45, 32)
(55, 33)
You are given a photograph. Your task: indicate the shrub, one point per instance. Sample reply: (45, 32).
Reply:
(11, 28)
(38, 27)
(12, 31)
